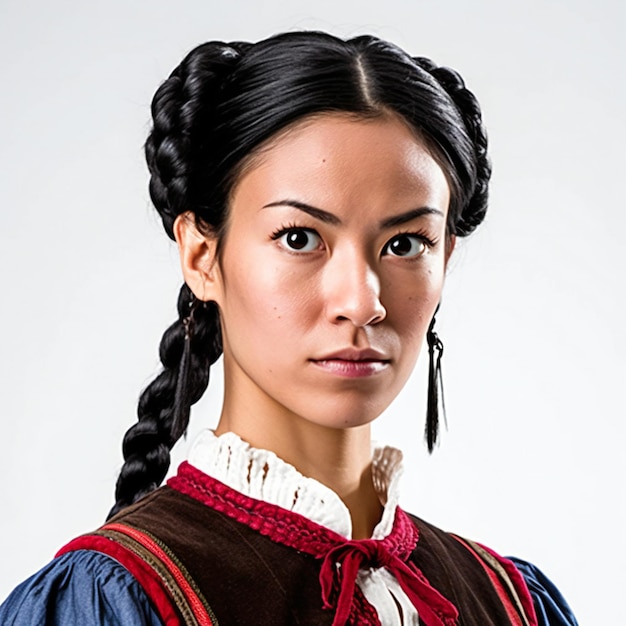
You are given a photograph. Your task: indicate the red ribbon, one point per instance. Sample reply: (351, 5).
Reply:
(338, 576)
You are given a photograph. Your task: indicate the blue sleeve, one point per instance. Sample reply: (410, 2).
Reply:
(550, 605)
(81, 587)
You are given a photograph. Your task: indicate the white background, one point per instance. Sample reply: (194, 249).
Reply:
(533, 314)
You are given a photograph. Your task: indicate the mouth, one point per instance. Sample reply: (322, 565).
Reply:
(352, 363)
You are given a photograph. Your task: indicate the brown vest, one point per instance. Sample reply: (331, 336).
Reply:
(243, 577)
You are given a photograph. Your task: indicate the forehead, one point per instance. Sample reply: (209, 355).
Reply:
(340, 162)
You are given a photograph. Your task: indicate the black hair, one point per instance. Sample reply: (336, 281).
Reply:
(219, 106)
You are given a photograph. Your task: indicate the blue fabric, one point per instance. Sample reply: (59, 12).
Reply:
(88, 588)
(79, 588)
(550, 605)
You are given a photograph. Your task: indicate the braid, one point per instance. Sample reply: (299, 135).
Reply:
(175, 152)
(187, 350)
(474, 210)
(182, 113)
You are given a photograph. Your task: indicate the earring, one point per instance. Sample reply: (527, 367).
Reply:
(181, 403)
(435, 381)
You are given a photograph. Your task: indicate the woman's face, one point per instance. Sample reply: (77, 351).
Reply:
(330, 271)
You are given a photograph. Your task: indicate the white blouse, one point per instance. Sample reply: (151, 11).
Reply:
(262, 475)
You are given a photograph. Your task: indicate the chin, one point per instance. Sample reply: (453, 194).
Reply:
(344, 414)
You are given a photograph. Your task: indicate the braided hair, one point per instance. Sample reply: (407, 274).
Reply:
(214, 112)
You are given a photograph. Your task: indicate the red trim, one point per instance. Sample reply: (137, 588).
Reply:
(519, 582)
(516, 579)
(197, 607)
(279, 524)
(145, 575)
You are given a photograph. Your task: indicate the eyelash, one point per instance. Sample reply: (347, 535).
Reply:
(428, 241)
(431, 243)
(284, 229)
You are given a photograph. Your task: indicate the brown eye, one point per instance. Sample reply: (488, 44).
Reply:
(300, 240)
(405, 246)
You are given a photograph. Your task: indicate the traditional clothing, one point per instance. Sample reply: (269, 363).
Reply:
(240, 537)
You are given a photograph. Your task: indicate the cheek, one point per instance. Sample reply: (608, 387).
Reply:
(410, 305)
(267, 297)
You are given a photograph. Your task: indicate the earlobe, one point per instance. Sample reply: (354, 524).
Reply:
(197, 257)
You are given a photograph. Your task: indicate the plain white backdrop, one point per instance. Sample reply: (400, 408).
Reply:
(533, 314)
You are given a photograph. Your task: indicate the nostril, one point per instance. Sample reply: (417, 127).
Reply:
(353, 296)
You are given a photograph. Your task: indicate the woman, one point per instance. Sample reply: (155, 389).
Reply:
(315, 188)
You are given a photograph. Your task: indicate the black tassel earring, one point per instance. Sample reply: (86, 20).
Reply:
(435, 381)
(181, 401)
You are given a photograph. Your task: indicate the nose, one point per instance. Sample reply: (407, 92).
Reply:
(353, 291)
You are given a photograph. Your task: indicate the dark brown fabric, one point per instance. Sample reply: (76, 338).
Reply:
(247, 578)
(454, 571)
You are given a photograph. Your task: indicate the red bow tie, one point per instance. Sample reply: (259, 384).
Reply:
(338, 576)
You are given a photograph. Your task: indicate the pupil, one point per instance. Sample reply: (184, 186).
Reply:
(297, 239)
(401, 246)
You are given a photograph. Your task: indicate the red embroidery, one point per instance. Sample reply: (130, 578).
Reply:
(195, 603)
(341, 559)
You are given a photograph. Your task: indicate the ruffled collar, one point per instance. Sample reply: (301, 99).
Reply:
(262, 475)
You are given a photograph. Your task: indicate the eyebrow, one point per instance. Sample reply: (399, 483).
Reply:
(396, 220)
(323, 216)
(329, 218)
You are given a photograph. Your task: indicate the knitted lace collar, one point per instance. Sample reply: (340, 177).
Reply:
(262, 475)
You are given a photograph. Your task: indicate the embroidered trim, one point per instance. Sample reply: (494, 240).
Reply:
(261, 474)
(185, 592)
(341, 558)
(161, 561)
(518, 582)
(508, 589)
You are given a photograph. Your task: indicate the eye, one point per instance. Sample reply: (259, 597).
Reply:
(299, 239)
(406, 246)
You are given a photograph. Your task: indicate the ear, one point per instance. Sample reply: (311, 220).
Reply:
(198, 258)
(450, 243)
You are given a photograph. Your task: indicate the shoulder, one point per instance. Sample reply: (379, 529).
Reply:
(551, 607)
(453, 555)
(81, 587)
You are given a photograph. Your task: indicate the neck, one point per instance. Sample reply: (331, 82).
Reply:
(338, 458)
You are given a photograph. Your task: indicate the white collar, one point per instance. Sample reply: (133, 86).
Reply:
(262, 475)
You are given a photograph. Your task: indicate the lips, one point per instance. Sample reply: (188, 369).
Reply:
(353, 363)
(353, 354)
